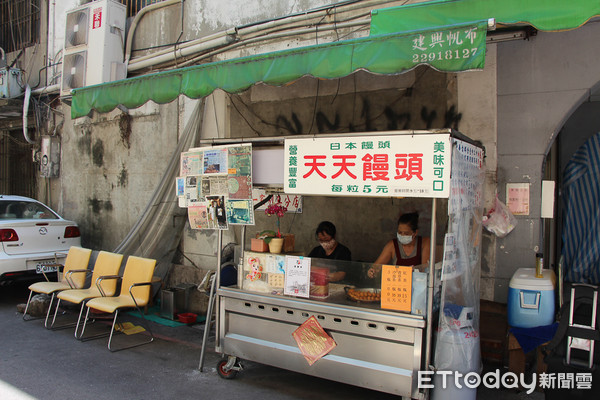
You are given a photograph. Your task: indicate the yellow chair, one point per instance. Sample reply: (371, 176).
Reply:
(107, 264)
(73, 277)
(135, 293)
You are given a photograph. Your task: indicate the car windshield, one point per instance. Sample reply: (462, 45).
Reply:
(24, 210)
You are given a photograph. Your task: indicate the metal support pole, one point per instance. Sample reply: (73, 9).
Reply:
(430, 284)
(217, 286)
(211, 305)
(240, 267)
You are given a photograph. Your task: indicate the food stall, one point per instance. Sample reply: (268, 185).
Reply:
(376, 333)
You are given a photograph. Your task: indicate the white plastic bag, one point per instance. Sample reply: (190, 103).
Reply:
(499, 220)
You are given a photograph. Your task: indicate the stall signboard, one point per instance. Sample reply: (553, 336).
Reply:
(215, 184)
(396, 287)
(292, 202)
(400, 165)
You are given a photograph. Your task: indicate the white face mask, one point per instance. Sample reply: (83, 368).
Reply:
(404, 239)
(329, 245)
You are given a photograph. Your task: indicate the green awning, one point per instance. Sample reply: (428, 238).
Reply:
(458, 47)
(544, 15)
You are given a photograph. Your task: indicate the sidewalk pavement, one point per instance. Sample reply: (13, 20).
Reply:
(37, 363)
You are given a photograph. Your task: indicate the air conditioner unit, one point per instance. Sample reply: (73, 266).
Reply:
(94, 43)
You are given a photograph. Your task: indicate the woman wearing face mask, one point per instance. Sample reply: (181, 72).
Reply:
(407, 248)
(329, 248)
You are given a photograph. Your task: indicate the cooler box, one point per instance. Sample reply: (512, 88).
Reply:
(531, 299)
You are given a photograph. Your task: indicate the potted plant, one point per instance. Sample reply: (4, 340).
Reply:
(275, 240)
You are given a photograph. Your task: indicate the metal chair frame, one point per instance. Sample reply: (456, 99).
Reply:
(112, 329)
(71, 284)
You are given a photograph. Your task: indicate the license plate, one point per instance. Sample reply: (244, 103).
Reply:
(44, 267)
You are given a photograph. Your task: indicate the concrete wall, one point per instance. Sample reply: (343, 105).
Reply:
(477, 102)
(205, 17)
(111, 164)
(540, 83)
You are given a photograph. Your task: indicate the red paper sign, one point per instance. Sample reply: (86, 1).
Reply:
(97, 18)
(312, 340)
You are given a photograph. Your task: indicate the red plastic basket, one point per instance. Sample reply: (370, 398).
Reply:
(187, 318)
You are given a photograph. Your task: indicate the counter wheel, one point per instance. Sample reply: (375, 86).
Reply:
(225, 373)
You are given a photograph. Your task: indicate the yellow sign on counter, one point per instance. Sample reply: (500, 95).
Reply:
(396, 282)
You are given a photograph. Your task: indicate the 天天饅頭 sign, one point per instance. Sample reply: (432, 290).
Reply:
(401, 165)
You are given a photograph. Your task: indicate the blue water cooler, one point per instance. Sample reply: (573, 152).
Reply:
(531, 299)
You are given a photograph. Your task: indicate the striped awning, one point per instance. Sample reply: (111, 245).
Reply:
(581, 233)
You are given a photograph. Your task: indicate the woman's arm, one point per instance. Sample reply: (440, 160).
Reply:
(384, 258)
(386, 254)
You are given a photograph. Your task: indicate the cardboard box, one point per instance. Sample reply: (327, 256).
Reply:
(493, 330)
(518, 361)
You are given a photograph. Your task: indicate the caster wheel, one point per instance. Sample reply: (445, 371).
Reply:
(225, 374)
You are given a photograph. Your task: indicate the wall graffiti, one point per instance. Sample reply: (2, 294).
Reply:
(368, 121)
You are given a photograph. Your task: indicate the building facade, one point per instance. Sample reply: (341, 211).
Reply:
(534, 102)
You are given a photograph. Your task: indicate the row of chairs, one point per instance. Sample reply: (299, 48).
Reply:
(102, 294)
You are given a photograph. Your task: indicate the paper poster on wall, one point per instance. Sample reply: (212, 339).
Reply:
(198, 217)
(517, 198)
(215, 161)
(239, 187)
(190, 163)
(396, 282)
(216, 212)
(220, 178)
(185, 167)
(239, 212)
(180, 185)
(218, 186)
(239, 160)
(191, 189)
(297, 276)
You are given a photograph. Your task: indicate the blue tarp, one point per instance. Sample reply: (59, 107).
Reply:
(581, 233)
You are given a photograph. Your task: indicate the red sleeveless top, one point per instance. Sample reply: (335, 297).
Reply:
(416, 260)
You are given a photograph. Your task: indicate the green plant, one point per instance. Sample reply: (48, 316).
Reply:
(267, 235)
(278, 210)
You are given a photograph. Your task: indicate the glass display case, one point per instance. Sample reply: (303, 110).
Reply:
(331, 281)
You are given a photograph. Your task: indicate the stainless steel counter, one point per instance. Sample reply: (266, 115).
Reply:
(376, 349)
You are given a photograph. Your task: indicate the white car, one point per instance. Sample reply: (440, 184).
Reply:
(30, 236)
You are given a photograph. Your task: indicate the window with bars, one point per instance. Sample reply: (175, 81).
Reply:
(19, 24)
(134, 6)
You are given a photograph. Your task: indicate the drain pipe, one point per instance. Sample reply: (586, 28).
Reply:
(25, 112)
(136, 20)
(225, 38)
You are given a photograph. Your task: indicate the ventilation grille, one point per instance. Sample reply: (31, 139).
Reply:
(74, 70)
(77, 28)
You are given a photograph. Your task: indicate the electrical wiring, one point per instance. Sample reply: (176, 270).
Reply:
(243, 117)
(272, 29)
(247, 42)
(12, 139)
